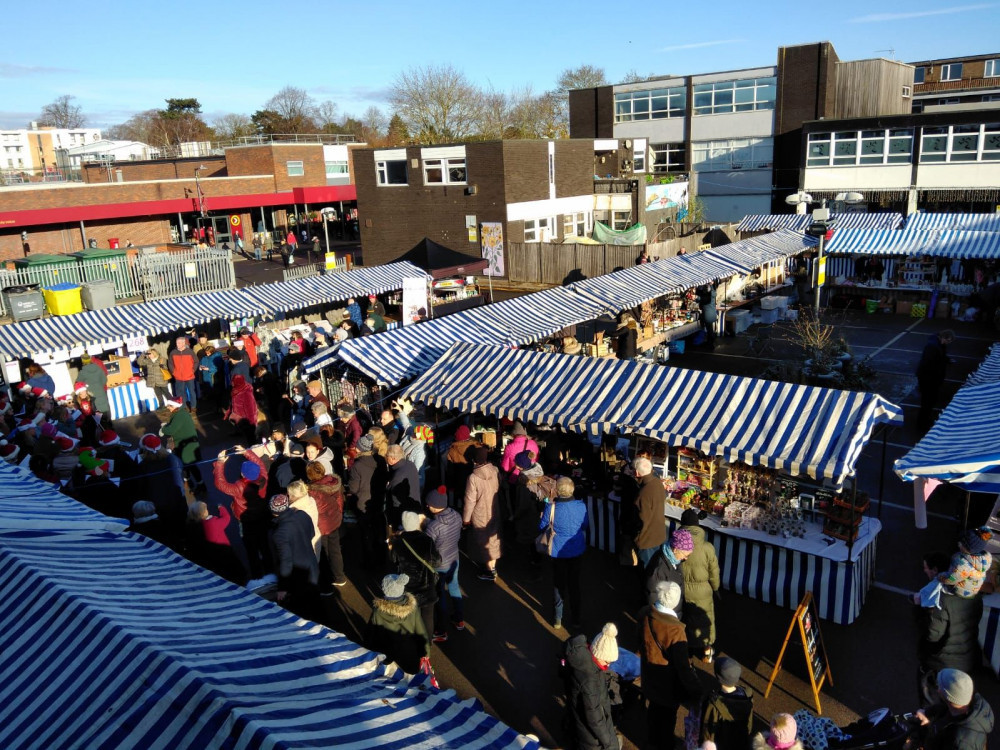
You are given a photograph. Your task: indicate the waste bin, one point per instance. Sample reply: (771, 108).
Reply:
(63, 299)
(47, 270)
(98, 294)
(24, 302)
(107, 263)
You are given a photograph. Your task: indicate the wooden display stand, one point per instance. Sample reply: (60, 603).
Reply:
(813, 649)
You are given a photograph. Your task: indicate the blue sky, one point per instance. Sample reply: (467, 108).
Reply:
(118, 58)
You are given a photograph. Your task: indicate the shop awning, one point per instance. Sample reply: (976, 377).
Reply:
(28, 503)
(988, 370)
(393, 356)
(940, 243)
(963, 446)
(112, 640)
(801, 430)
(301, 293)
(758, 222)
(440, 261)
(923, 221)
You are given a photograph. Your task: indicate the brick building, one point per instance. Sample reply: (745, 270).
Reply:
(537, 191)
(266, 187)
(956, 81)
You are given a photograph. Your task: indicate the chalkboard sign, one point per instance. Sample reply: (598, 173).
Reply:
(817, 664)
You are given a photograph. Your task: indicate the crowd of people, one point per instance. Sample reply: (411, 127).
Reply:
(305, 471)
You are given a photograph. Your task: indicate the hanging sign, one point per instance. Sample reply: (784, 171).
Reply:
(414, 298)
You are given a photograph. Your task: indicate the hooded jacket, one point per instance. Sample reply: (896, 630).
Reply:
(701, 581)
(397, 630)
(667, 675)
(968, 732)
(243, 407)
(328, 493)
(949, 637)
(587, 698)
(569, 525)
(410, 550)
(727, 718)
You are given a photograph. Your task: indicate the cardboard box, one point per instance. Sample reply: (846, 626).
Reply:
(903, 308)
(647, 332)
(489, 438)
(943, 309)
(119, 371)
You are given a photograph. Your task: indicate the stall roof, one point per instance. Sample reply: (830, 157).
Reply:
(963, 446)
(923, 221)
(299, 293)
(396, 355)
(110, 326)
(113, 640)
(440, 261)
(950, 243)
(757, 222)
(988, 370)
(28, 503)
(798, 429)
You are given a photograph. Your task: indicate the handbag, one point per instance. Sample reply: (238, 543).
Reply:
(167, 377)
(543, 542)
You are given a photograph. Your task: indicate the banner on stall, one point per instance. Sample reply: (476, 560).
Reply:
(414, 298)
(137, 344)
(492, 246)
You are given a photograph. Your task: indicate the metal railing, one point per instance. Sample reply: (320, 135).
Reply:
(315, 269)
(31, 176)
(217, 148)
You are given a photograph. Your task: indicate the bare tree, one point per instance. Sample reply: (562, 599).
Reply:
(326, 114)
(139, 127)
(633, 76)
(542, 116)
(584, 77)
(232, 126)
(296, 108)
(375, 125)
(438, 104)
(62, 113)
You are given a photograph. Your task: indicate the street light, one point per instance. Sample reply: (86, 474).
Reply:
(820, 228)
(326, 213)
(197, 182)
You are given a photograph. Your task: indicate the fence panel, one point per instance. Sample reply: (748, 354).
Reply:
(166, 275)
(523, 262)
(590, 260)
(301, 272)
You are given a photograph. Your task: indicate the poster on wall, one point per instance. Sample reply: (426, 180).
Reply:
(674, 195)
(414, 298)
(492, 244)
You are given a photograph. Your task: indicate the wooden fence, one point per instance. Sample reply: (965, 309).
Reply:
(546, 263)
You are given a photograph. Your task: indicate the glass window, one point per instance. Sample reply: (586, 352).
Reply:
(575, 225)
(444, 171)
(295, 168)
(991, 69)
(735, 153)
(336, 168)
(652, 104)
(907, 92)
(934, 144)
(900, 146)
(538, 230)
(668, 157)
(745, 95)
(845, 148)
(818, 152)
(964, 143)
(391, 172)
(918, 74)
(952, 72)
(621, 220)
(872, 146)
(991, 141)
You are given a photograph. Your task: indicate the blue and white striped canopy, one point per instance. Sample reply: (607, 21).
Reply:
(801, 430)
(941, 243)
(757, 222)
(393, 356)
(300, 293)
(988, 370)
(923, 221)
(963, 446)
(112, 640)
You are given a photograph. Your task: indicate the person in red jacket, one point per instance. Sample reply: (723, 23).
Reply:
(183, 365)
(242, 411)
(249, 494)
(250, 343)
(328, 492)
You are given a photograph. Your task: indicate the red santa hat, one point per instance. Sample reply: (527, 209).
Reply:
(150, 442)
(38, 418)
(102, 467)
(79, 387)
(9, 451)
(23, 387)
(174, 403)
(108, 438)
(65, 443)
(39, 392)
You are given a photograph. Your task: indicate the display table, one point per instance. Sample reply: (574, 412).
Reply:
(989, 631)
(131, 399)
(668, 335)
(773, 569)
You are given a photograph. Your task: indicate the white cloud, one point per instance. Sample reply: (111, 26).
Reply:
(698, 45)
(881, 17)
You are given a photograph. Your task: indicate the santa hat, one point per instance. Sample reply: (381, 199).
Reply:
(49, 430)
(39, 392)
(9, 451)
(38, 418)
(150, 442)
(79, 387)
(23, 387)
(174, 403)
(103, 467)
(65, 443)
(108, 438)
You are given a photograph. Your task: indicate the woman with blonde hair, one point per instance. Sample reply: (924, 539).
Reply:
(381, 441)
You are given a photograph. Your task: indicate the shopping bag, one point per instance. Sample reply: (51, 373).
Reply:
(543, 542)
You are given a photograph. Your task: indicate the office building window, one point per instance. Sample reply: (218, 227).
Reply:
(960, 143)
(668, 157)
(392, 172)
(934, 144)
(336, 168)
(991, 69)
(851, 148)
(722, 97)
(732, 154)
(900, 146)
(991, 141)
(964, 143)
(538, 230)
(576, 225)
(652, 104)
(295, 168)
(952, 72)
(444, 171)
(918, 74)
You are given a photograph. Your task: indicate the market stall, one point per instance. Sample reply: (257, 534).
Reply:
(453, 287)
(804, 533)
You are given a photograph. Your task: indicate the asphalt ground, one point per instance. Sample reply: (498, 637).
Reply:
(507, 657)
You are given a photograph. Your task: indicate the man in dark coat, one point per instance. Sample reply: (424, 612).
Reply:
(404, 486)
(962, 720)
(294, 556)
(949, 636)
(587, 699)
(930, 376)
(649, 503)
(366, 484)
(414, 553)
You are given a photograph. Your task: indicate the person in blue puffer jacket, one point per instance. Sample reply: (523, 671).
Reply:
(569, 520)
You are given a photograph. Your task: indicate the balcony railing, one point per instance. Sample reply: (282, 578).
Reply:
(961, 85)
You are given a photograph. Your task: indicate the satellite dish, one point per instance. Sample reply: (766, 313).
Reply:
(796, 198)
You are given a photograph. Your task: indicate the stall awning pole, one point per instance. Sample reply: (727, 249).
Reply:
(965, 512)
(881, 475)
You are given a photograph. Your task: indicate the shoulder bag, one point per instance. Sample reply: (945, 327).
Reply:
(543, 542)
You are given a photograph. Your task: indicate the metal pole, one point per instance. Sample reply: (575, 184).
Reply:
(180, 225)
(817, 287)
(326, 231)
(881, 476)
(965, 513)
(83, 233)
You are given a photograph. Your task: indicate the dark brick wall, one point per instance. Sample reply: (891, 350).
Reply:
(395, 218)
(574, 168)
(250, 160)
(159, 169)
(311, 156)
(56, 240)
(591, 112)
(526, 170)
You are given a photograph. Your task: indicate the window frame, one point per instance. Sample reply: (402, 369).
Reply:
(664, 151)
(301, 168)
(576, 224)
(625, 109)
(950, 76)
(991, 68)
(382, 173)
(544, 222)
(615, 220)
(919, 74)
(858, 148)
(718, 92)
(445, 165)
(732, 154)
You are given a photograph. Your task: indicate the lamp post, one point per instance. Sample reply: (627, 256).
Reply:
(820, 228)
(326, 213)
(197, 183)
